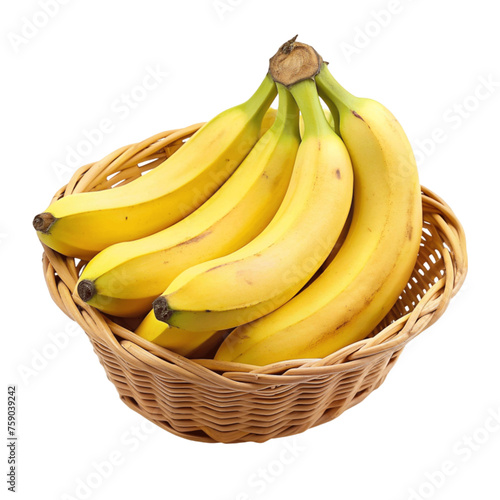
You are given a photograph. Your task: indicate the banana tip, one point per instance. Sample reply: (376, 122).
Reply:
(43, 222)
(86, 290)
(162, 309)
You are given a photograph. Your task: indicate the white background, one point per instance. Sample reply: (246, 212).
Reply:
(63, 73)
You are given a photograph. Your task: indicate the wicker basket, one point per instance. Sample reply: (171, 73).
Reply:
(211, 401)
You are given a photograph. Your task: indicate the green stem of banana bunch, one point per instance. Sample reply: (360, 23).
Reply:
(334, 111)
(262, 98)
(305, 94)
(288, 111)
(334, 95)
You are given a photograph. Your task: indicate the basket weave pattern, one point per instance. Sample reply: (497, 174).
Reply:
(214, 401)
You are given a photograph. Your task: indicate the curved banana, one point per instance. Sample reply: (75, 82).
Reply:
(125, 278)
(264, 274)
(267, 121)
(187, 344)
(83, 224)
(371, 269)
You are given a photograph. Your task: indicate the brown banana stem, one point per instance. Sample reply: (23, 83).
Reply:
(294, 62)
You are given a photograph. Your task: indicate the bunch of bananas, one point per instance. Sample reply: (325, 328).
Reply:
(268, 236)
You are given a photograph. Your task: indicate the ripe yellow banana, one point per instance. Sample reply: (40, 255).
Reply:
(261, 276)
(125, 278)
(83, 224)
(371, 269)
(267, 121)
(187, 344)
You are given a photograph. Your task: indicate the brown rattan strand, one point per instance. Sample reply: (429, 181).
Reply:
(214, 401)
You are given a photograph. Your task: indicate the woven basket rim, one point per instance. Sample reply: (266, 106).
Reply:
(61, 274)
